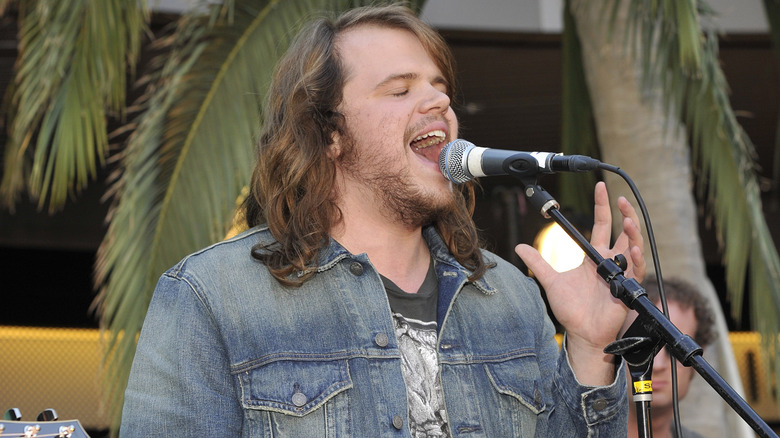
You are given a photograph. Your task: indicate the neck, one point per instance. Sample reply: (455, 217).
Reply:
(398, 252)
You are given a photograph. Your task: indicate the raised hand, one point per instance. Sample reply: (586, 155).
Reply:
(580, 298)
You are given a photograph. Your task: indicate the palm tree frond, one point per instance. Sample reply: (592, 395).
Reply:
(689, 34)
(72, 64)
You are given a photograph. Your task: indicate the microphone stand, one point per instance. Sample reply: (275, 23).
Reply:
(652, 328)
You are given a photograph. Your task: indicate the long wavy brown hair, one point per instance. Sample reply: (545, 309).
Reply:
(292, 187)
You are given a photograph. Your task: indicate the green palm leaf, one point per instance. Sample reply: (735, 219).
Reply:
(190, 152)
(71, 74)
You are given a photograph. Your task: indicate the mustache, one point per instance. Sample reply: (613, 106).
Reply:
(417, 127)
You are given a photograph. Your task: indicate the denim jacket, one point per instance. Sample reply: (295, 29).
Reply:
(225, 350)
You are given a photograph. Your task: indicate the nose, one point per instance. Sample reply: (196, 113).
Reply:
(435, 100)
(662, 361)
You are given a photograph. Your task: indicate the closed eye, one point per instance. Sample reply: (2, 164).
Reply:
(397, 85)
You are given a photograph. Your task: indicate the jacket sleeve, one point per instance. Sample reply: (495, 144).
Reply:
(180, 383)
(592, 411)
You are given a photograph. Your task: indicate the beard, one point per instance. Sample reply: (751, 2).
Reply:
(408, 205)
(393, 188)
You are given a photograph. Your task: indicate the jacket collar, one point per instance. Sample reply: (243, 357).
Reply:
(334, 252)
(442, 254)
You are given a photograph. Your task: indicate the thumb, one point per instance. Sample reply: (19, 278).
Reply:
(536, 264)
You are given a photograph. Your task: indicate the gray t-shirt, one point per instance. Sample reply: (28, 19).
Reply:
(414, 316)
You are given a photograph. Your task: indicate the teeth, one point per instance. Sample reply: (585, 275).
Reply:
(428, 139)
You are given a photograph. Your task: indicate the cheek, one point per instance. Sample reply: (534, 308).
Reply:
(452, 121)
(373, 124)
(684, 377)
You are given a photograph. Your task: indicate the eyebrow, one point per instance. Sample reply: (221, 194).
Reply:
(396, 77)
(408, 77)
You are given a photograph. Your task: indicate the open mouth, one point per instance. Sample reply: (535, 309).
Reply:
(428, 139)
(422, 144)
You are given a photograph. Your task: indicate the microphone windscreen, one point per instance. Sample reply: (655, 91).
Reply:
(451, 160)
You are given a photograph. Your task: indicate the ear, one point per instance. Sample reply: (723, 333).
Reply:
(334, 149)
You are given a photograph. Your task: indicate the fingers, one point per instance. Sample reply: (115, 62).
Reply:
(631, 234)
(639, 266)
(534, 261)
(628, 210)
(602, 217)
(630, 241)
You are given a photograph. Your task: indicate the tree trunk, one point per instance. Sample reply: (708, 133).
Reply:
(643, 138)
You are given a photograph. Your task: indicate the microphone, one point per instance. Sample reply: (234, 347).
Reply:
(461, 161)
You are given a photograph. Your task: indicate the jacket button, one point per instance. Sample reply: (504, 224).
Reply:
(537, 397)
(599, 405)
(299, 399)
(356, 268)
(381, 340)
(398, 422)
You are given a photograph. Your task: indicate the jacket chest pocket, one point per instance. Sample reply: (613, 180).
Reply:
(497, 398)
(296, 398)
(520, 379)
(523, 396)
